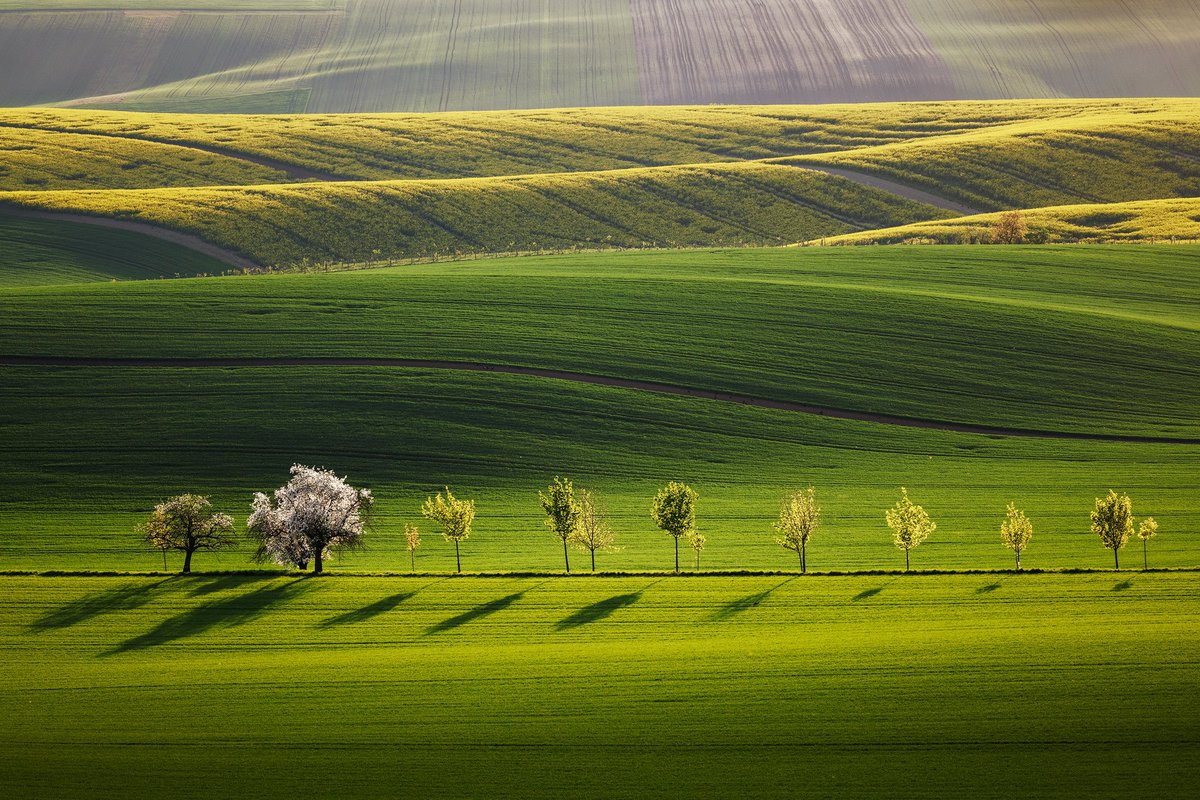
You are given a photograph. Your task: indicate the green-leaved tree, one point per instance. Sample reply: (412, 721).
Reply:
(674, 511)
(909, 523)
(187, 523)
(799, 517)
(1112, 521)
(454, 515)
(1147, 531)
(697, 540)
(1015, 531)
(562, 512)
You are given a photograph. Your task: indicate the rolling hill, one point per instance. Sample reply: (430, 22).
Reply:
(416, 55)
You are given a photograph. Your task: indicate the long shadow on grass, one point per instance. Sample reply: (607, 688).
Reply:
(226, 582)
(479, 611)
(598, 611)
(866, 593)
(366, 612)
(224, 613)
(735, 607)
(1123, 585)
(991, 587)
(122, 598)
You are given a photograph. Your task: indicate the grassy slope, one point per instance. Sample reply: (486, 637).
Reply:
(1141, 221)
(1107, 158)
(812, 324)
(39, 159)
(726, 204)
(37, 252)
(481, 144)
(1048, 686)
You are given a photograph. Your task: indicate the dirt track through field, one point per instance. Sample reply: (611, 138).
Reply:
(578, 377)
(166, 234)
(907, 192)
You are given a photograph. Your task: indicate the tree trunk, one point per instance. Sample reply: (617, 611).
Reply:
(1018, 561)
(906, 559)
(412, 560)
(803, 559)
(187, 561)
(1116, 560)
(593, 561)
(566, 558)
(697, 561)
(317, 565)
(676, 554)
(1145, 563)
(457, 557)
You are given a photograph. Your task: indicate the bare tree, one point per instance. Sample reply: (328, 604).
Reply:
(593, 532)
(187, 523)
(313, 515)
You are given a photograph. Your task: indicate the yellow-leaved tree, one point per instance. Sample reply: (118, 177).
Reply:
(454, 515)
(799, 517)
(909, 523)
(1015, 531)
(1112, 521)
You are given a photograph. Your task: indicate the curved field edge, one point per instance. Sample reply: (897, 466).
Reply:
(700, 205)
(433, 669)
(920, 333)
(36, 252)
(482, 144)
(1174, 220)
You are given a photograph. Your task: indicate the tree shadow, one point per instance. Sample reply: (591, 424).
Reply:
(735, 607)
(366, 612)
(224, 582)
(122, 598)
(224, 613)
(991, 587)
(598, 611)
(1123, 585)
(479, 611)
(865, 593)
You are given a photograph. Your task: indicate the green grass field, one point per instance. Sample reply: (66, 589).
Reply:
(924, 333)
(40, 252)
(934, 686)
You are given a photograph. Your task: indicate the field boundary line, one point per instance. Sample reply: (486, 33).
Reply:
(583, 377)
(716, 573)
(188, 240)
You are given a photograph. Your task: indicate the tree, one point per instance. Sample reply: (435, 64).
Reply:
(1112, 521)
(562, 512)
(309, 518)
(1147, 531)
(697, 540)
(909, 523)
(799, 517)
(454, 515)
(187, 523)
(592, 533)
(1015, 531)
(413, 538)
(1009, 228)
(674, 511)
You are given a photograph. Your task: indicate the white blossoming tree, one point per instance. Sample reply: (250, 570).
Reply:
(314, 514)
(187, 523)
(593, 532)
(1015, 531)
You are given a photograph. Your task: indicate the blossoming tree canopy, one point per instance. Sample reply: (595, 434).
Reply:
(312, 515)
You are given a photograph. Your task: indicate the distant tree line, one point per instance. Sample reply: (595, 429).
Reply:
(317, 514)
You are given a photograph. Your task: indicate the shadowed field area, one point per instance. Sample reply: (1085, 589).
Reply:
(918, 686)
